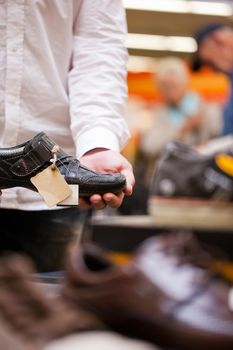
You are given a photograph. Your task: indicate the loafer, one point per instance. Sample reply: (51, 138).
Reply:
(18, 164)
(165, 294)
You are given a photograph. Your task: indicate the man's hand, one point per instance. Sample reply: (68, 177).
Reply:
(108, 161)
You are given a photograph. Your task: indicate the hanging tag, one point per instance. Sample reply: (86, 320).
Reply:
(72, 200)
(51, 185)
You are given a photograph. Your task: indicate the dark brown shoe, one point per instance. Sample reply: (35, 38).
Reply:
(165, 295)
(18, 164)
(29, 317)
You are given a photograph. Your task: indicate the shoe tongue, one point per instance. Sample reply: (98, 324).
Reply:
(35, 141)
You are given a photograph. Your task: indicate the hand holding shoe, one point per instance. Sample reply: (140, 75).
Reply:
(108, 161)
(20, 163)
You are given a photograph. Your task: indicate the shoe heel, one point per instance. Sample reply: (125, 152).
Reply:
(73, 199)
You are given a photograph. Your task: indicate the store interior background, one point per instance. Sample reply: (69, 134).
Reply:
(158, 29)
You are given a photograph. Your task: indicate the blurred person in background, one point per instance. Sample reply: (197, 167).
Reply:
(182, 114)
(215, 49)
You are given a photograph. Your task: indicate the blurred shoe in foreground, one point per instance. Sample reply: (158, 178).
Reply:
(29, 318)
(165, 295)
(192, 189)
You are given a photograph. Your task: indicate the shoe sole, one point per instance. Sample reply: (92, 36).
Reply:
(82, 192)
(191, 213)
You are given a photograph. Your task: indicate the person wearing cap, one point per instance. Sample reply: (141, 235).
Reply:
(215, 48)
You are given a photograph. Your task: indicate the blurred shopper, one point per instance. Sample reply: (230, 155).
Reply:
(215, 48)
(182, 115)
(63, 68)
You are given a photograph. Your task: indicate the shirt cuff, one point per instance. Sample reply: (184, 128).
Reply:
(96, 138)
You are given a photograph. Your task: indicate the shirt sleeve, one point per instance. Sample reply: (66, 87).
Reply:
(97, 79)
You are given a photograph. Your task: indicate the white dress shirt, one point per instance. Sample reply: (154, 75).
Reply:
(63, 66)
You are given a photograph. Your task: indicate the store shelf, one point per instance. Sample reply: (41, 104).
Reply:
(120, 233)
(193, 214)
(124, 234)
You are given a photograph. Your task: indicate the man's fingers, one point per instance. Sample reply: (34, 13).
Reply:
(113, 200)
(130, 181)
(97, 202)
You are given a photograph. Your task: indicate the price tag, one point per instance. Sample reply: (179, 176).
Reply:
(52, 186)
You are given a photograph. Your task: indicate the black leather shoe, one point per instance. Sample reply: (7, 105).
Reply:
(182, 171)
(18, 164)
(191, 189)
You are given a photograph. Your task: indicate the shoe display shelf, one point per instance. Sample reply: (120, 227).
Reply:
(193, 214)
(120, 233)
(123, 234)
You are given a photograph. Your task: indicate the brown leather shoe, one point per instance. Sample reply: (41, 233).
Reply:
(164, 295)
(29, 318)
